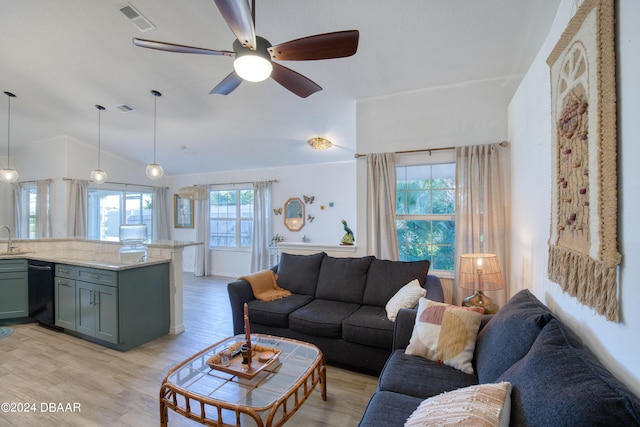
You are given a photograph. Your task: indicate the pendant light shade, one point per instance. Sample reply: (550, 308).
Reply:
(7, 174)
(154, 170)
(98, 175)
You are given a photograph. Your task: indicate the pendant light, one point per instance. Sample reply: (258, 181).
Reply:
(98, 175)
(8, 174)
(154, 170)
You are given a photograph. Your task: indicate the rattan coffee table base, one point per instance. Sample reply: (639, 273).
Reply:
(189, 399)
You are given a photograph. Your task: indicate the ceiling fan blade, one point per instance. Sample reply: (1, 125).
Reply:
(228, 85)
(295, 82)
(237, 15)
(321, 46)
(172, 47)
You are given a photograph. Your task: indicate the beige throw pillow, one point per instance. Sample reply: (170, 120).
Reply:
(479, 405)
(406, 297)
(445, 333)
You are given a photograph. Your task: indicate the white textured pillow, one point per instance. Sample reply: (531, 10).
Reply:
(478, 405)
(407, 297)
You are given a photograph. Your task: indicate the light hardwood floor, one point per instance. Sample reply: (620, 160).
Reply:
(39, 367)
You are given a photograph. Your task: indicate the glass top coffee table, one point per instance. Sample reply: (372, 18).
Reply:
(218, 398)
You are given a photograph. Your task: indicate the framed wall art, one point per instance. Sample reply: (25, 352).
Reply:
(182, 212)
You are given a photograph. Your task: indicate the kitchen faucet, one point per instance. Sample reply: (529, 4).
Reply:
(10, 247)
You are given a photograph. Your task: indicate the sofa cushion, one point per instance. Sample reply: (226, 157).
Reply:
(321, 318)
(276, 313)
(407, 297)
(386, 408)
(369, 326)
(419, 377)
(445, 333)
(385, 278)
(299, 273)
(343, 279)
(486, 405)
(560, 383)
(509, 335)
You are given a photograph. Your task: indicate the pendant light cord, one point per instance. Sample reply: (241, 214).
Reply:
(100, 108)
(9, 95)
(155, 118)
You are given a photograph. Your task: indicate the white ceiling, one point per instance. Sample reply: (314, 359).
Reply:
(62, 57)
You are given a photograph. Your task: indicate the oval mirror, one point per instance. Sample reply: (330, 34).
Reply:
(294, 214)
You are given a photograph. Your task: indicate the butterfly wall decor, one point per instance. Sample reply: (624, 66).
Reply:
(308, 199)
(277, 211)
(310, 218)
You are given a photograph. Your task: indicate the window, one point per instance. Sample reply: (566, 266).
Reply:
(425, 213)
(231, 218)
(28, 209)
(108, 209)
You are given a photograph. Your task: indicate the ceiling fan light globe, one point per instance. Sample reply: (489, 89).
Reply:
(252, 68)
(98, 176)
(154, 171)
(8, 175)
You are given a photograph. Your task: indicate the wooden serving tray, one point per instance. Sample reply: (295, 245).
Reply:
(236, 367)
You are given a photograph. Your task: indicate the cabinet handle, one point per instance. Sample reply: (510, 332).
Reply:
(65, 284)
(94, 276)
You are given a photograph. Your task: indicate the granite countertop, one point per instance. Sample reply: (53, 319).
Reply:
(85, 259)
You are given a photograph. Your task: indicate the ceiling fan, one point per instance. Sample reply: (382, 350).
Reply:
(255, 56)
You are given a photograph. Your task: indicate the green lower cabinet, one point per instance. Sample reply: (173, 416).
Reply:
(65, 303)
(14, 289)
(97, 311)
(118, 309)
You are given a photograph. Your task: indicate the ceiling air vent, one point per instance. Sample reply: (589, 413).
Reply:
(125, 108)
(140, 21)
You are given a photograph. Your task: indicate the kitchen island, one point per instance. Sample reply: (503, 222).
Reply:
(154, 280)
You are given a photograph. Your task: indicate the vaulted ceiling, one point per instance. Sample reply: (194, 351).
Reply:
(62, 57)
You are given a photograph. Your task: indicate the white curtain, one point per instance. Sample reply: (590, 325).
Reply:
(482, 205)
(21, 228)
(382, 238)
(77, 209)
(159, 214)
(261, 226)
(43, 213)
(202, 221)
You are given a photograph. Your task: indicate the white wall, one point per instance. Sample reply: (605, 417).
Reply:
(327, 183)
(616, 344)
(455, 115)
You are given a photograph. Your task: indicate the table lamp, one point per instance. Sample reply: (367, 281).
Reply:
(482, 273)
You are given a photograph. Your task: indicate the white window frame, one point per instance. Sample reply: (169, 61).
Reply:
(429, 158)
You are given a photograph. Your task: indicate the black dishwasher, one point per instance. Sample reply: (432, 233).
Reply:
(41, 293)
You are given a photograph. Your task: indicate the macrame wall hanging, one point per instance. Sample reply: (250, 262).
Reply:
(583, 247)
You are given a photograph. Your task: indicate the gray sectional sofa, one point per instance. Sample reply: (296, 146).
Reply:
(338, 304)
(556, 380)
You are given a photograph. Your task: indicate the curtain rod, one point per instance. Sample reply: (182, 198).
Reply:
(121, 183)
(429, 150)
(240, 183)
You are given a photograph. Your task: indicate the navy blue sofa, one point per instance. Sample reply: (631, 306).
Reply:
(556, 380)
(338, 304)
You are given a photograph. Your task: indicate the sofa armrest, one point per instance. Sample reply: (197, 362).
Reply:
(403, 328)
(240, 292)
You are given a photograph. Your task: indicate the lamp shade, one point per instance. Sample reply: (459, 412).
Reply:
(480, 272)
